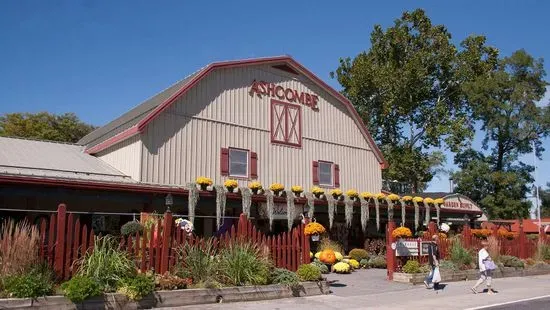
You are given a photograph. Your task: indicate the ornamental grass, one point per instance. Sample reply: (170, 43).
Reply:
(19, 244)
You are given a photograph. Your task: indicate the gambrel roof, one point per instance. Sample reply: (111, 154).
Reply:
(134, 121)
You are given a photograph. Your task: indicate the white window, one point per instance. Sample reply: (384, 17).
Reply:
(238, 163)
(326, 173)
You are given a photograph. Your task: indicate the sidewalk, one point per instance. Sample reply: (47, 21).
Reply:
(368, 289)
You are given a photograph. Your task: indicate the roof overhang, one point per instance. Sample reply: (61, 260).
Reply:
(139, 127)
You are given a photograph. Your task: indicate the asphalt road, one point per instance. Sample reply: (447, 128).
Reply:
(528, 304)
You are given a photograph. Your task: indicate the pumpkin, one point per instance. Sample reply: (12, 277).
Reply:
(328, 257)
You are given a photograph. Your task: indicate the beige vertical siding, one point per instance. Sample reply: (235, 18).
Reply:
(185, 141)
(125, 156)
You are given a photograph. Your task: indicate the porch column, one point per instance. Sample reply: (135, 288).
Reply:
(390, 253)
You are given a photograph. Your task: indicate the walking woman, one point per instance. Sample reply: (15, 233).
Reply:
(486, 267)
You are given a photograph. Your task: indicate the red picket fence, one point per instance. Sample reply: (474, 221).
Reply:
(64, 241)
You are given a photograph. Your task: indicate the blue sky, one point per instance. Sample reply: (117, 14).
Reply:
(100, 58)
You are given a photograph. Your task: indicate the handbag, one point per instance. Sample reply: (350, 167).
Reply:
(437, 276)
(489, 265)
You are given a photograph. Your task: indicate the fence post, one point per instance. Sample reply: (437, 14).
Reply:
(390, 253)
(60, 240)
(166, 233)
(522, 241)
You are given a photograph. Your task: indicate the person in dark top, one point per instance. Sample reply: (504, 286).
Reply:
(433, 259)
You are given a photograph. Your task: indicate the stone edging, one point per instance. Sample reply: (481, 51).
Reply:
(172, 298)
(473, 274)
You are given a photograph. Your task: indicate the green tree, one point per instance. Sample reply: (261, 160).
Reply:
(408, 88)
(504, 101)
(544, 195)
(44, 126)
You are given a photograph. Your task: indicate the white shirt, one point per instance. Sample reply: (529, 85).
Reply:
(482, 255)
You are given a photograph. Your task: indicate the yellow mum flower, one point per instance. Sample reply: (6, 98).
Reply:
(204, 181)
(255, 185)
(367, 195)
(336, 192)
(428, 200)
(439, 201)
(393, 197)
(277, 187)
(317, 190)
(352, 193)
(296, 189)
(341, 268)
(380, 196)
(230, 183)
(407, 198)
(418, 199)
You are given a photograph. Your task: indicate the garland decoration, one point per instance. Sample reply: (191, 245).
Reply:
(403, 211)
(331, 202)
(220, 204)
(246, 195)
(390, 208)
(192, 201)
(349, 210)
(437, 210)
(311, 203)
(364, 213)
(416, 214)
(290, 208)
(270, 208)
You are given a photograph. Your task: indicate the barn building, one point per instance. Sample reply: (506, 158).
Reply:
(265, 119)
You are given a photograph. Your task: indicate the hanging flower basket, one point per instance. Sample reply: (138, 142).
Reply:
(336, 193)
(204, 182)
(297, 190)
(230, 185)
(255, 187)
(315, 238)
(277, 188)
(317, 192)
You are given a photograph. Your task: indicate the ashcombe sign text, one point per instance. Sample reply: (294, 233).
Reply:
(262, 88)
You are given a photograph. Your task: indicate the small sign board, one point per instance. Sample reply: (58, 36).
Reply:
(406, 248)
(424, 247)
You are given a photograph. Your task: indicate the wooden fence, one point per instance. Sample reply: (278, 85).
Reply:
(520, 246)
(64, 241)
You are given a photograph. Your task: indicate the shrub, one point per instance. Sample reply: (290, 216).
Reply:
(19, 245)
(353, 263)
(131, 228)
(341, 268)
(244, 264)
(425, 269)
(511, 261)
(543, 252)
(447, 265)
(358, 254)
(326, 243)
(285, 277)
(322, 267)
(196, 261)
(378, 262)
(364, 263)
(168, 281)
(460, 256)
(375, 246)
(34, 283)
(137, 287)
(412, 266)
(308, 272)
(80, 288)
(106, 264)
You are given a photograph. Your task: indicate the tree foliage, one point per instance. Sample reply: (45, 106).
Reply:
(544, 195)
(504, 101)
(408, 88)
(44, 126)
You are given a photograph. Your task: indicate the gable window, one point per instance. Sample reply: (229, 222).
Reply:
(286, 123)
(239, 163)
(326, 173)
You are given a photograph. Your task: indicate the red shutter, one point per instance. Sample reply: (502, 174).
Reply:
(253, 165)
(315, 171)
(336, 175)
(224, 161)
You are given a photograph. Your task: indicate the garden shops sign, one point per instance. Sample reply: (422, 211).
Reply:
(279, 211)
(261, 88)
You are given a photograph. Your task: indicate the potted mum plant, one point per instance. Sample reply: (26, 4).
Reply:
(317, 191)
(336, 193)
(277, 188)
(352, 194)
(314, 230)
(230, 184)
(255, 187)
(401, 232)
(297, 190)
(204, 182)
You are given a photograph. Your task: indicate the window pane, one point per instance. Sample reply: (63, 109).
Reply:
(325, 173)
(238, 162)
